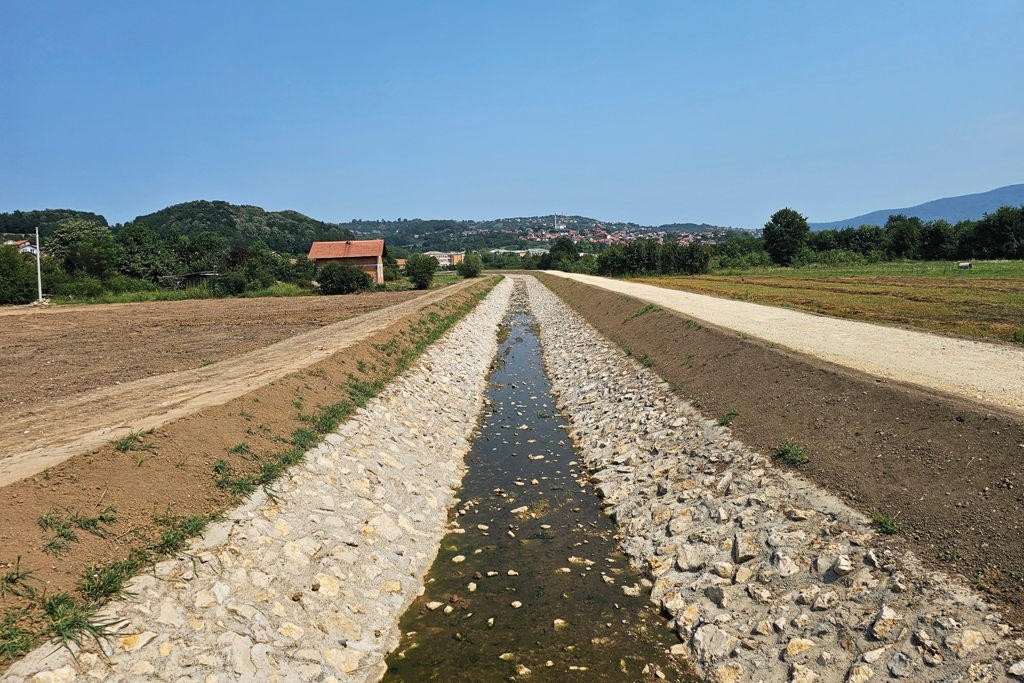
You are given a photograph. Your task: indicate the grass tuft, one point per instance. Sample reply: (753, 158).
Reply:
(132, 442)
(885, 524)
(791, 452)
(101, 583)
(649, 308)
(726, 418)
(16, 581)
(71, 622)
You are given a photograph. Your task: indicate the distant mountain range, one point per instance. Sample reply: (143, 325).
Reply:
(952, 209)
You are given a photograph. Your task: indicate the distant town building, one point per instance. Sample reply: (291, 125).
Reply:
(447, 259)
(367, 255)
(23, 246)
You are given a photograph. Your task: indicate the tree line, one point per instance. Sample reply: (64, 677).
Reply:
(787, 240)
(83, 259)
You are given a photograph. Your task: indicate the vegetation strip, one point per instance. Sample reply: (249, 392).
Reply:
(765, 577)
(33, 612)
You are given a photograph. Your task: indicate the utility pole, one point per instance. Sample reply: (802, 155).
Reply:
(39, 268)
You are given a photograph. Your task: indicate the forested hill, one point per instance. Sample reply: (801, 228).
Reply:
(26, 222)
(283, 231)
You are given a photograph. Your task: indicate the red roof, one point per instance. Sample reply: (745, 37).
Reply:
(350, 249)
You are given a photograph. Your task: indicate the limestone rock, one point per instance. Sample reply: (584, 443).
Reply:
(859, 674)
(964, 642)
(885, 621)
(711, 643)
(802, 674)
(796, 646)
(744, 548)
(842, 566)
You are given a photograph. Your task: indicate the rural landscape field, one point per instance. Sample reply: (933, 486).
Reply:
(562, 342)
(985, 301)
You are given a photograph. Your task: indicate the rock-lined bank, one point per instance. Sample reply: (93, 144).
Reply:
(309, 585)
(765, 577)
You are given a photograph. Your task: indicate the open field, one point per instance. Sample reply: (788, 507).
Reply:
(55, 353)
(109, 511)
(943, 471)
(43, 436)
(986, 301)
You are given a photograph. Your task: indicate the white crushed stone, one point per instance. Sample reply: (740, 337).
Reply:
(361, 520)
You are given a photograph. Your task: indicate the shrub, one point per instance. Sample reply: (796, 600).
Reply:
(335, 279)
(471, 266)
(17, 277)
(420, 270)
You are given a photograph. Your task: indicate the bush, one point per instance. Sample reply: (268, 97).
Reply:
(420, 270)
(81, 287)
(119, 284)
(230, 283)
(335, 279)
(17, 277)
(471, 266)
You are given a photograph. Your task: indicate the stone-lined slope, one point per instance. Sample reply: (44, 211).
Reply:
(765, 577)
(309, 585)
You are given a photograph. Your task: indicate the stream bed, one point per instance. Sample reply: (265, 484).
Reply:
(530, 583)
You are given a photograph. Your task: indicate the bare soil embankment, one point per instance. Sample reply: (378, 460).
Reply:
(947, 471)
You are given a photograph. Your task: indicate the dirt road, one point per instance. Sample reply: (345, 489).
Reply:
(38, 435)
(985, 371)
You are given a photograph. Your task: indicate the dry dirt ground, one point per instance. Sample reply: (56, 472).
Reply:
(949, 472)
(981, 370)
(105, 355)
(54, 353)
(173, 471)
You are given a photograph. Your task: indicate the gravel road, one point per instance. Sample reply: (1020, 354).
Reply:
(979, 370)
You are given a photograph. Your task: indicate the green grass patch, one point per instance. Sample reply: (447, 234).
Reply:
(792, 453)
(984, 301)
(132, 442)
(726, 418)
(649, 308)
(16, 581)
(885, 524)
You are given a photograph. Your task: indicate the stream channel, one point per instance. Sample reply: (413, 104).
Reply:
(530, 584)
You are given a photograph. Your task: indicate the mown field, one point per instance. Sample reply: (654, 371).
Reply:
(984, 301)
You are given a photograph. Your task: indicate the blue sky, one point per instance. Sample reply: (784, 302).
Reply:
(654, 112)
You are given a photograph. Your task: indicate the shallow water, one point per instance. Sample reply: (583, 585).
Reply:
(533, 534)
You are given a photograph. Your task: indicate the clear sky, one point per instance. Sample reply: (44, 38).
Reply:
(653, 112)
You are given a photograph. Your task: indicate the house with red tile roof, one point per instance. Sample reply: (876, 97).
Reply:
(367, 255)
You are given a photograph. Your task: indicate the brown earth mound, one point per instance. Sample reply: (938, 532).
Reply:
(947, 473)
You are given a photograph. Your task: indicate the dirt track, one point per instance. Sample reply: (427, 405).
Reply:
(43, 432)
(978, 370)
